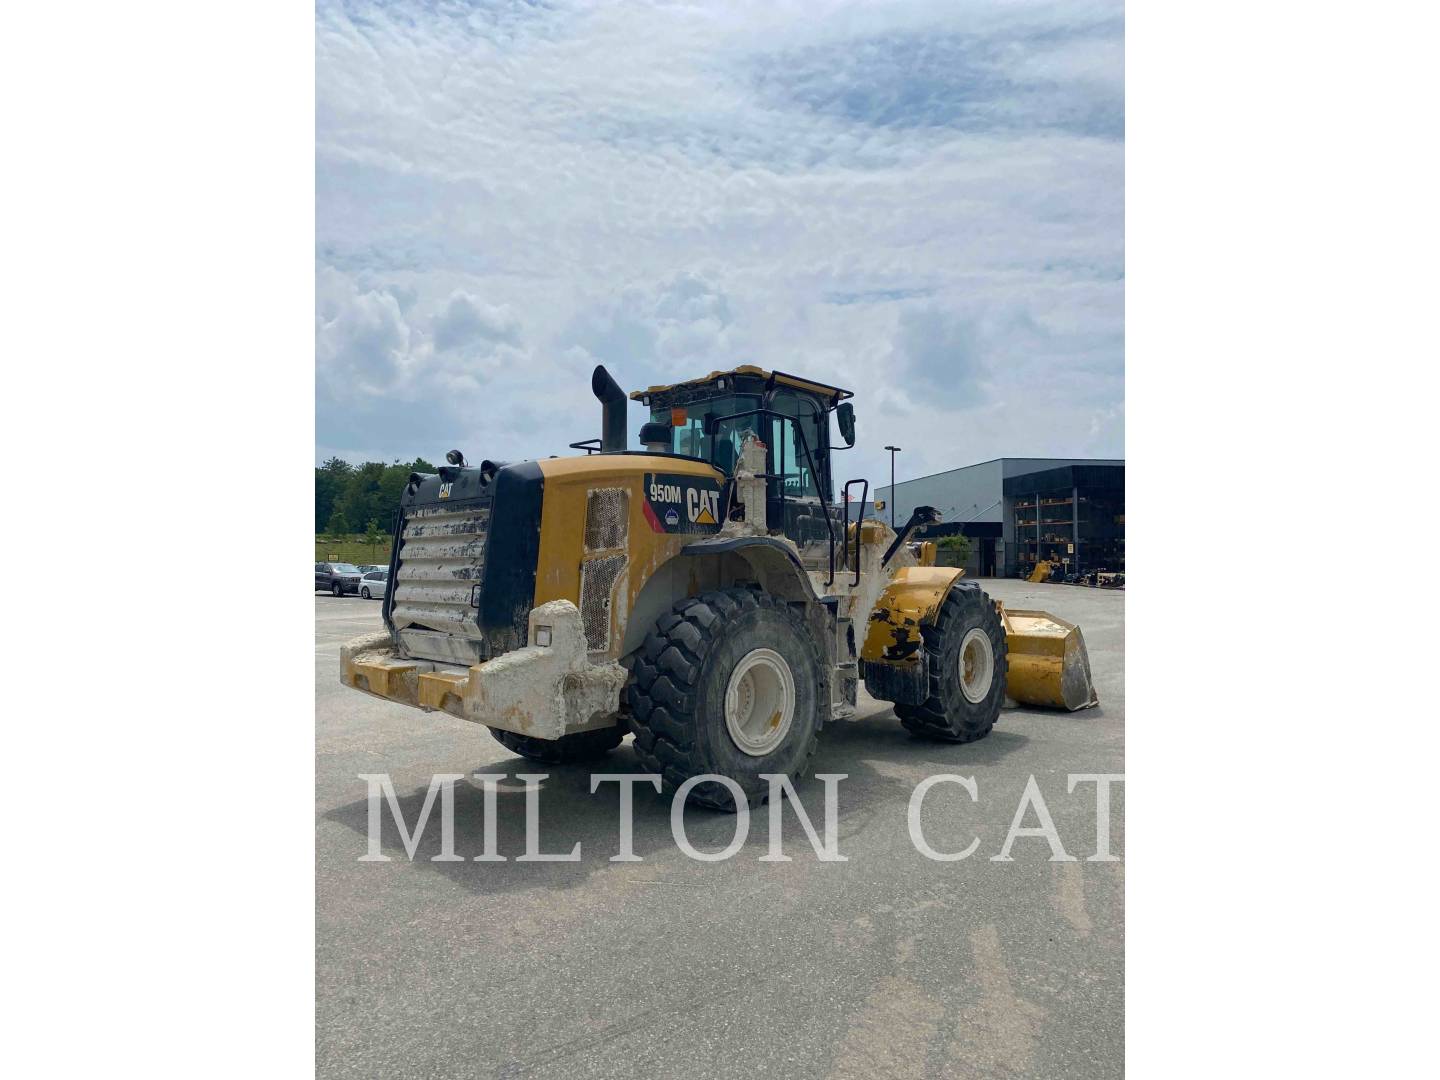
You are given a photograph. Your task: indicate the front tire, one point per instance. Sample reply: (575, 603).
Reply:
(335, 590)
(577, 746)
(365, 592)
(729, 683)
(966, 661)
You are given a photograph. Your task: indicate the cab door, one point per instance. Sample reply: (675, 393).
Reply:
(800, 485)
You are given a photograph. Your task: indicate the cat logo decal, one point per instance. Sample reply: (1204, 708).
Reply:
(682, 504)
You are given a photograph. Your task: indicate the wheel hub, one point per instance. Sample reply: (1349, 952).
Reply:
(760, 702)
(977, 665)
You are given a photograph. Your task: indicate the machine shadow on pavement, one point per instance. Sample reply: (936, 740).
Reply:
(570, 813)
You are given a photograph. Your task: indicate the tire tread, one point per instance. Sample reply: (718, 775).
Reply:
(931, 719)
(662, 690)
(577, 746)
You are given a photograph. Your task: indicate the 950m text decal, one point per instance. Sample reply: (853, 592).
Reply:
(682, 504)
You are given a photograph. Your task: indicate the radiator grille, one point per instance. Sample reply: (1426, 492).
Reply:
(607, 518)
(442, 555)
(597, 584)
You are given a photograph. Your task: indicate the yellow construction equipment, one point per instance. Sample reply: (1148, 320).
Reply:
(712, 594)
(1043, 570)
(1048, 662)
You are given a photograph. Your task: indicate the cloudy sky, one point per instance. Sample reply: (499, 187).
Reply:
(922, 202)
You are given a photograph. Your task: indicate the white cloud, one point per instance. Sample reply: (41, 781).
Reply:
(362, 339)
(943, 355)
(921, 201)
(466, 321)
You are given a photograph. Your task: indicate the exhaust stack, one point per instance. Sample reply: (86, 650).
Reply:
(613, 404)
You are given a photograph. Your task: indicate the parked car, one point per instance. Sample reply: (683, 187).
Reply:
(337, 578)
(374, 584)
(367, 568)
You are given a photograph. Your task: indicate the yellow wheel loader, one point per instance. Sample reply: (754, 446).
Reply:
(710, 593)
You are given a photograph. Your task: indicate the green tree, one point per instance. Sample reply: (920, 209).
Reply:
(346, 495)
(389, 486)
(330, 480)
(359, 500)
(959, 543)
(389, 489)
(373, 536)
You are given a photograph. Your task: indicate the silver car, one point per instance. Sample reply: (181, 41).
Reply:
(374, 584)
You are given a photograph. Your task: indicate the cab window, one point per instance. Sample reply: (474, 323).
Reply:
(688, 424)
(788, 453)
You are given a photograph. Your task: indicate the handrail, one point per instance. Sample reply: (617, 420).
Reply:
(859, 517)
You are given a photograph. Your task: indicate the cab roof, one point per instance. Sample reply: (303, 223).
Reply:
(781, 378)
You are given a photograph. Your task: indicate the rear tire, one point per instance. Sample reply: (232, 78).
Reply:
(965, 661)
(578, 746)
(730, 683)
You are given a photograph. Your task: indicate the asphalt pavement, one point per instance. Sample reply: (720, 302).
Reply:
(887, 964)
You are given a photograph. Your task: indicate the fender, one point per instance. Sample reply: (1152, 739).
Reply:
(775, 563)
(712, 564)
(908, 603)
(890, 659)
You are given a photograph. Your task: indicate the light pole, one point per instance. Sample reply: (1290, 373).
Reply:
(893, 451)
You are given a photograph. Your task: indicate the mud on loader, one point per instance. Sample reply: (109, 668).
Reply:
(709, 593)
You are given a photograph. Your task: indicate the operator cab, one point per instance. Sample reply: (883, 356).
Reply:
(708, 418)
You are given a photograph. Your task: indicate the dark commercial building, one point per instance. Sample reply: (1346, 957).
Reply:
(1018, 510)
(1073, 515)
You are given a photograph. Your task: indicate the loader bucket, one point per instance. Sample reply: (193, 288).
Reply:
(1048, 662)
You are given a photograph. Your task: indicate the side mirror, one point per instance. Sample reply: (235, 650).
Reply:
(845, 413)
